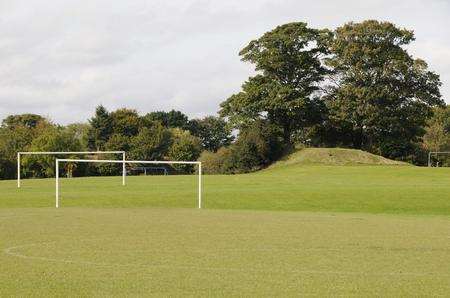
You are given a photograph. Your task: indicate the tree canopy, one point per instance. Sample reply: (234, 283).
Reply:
(289, 71)
(100, 128)
(379, 93)
(169, 119)
(26, 120)
(214, 132)
(437, 136)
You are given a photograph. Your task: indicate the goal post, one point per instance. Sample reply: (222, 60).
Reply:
(19, 154)
(435, 154)
(124, 162)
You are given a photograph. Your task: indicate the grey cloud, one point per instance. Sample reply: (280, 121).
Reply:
(62, 58)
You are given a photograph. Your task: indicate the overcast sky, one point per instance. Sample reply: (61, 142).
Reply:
(63, 58)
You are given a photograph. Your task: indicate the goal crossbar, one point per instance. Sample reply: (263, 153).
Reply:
(124, 162)
(68, 153)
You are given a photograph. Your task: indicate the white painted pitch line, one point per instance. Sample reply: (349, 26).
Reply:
(15, 216)
(10, 251)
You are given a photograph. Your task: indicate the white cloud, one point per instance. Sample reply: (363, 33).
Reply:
(63, 58)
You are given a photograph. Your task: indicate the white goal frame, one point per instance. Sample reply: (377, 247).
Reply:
(124, 173)
(435, 153)
(124, 162)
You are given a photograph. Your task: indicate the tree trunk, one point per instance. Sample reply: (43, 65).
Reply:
(358, 138)
(287, 134)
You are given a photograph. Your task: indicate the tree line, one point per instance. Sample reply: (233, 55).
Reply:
(154, 136)
(356, 86)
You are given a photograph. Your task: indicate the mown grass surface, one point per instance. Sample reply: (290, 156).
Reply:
(368, 189)
(110, 240)
(81, 252)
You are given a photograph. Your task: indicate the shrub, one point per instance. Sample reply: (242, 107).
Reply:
(216, 162)
(257, 146)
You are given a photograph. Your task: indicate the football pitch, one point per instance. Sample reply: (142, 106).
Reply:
(311, 231)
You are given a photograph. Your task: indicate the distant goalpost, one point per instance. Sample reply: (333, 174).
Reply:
(436, 154)
(19, 154)
(124, 162)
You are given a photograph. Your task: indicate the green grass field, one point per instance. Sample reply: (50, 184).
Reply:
(356, 231)
(188, 252)
(367, 189)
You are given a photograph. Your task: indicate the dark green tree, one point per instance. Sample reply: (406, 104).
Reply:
(100, 130)
(288, 60)
(151, 143)
(118, 142)
(26, 120)
(126, 122)
(213, 132)
(257, 146)
(379, 95)
(7, 168)
(169, 119)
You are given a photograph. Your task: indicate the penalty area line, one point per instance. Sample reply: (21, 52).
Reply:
(10, 251)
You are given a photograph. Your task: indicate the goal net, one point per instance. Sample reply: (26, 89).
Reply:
(439, 159)
(144, 187)
(56, 154)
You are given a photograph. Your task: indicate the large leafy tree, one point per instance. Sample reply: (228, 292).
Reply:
(151, 143)
(437, 136)
(213, 132)
(126, 122)
(184, 147)
(118, 142)
(169, 119)
(12, 140)
(101, 128)
(289, 71)
(16, 134)
(54, 138)
(80, 131)
(26, 120)
(379, 94)
(115, 142)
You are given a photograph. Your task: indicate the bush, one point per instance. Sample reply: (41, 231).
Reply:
(216, 162)
(256, 147)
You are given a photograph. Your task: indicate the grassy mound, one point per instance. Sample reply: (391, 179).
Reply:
(334, 157)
